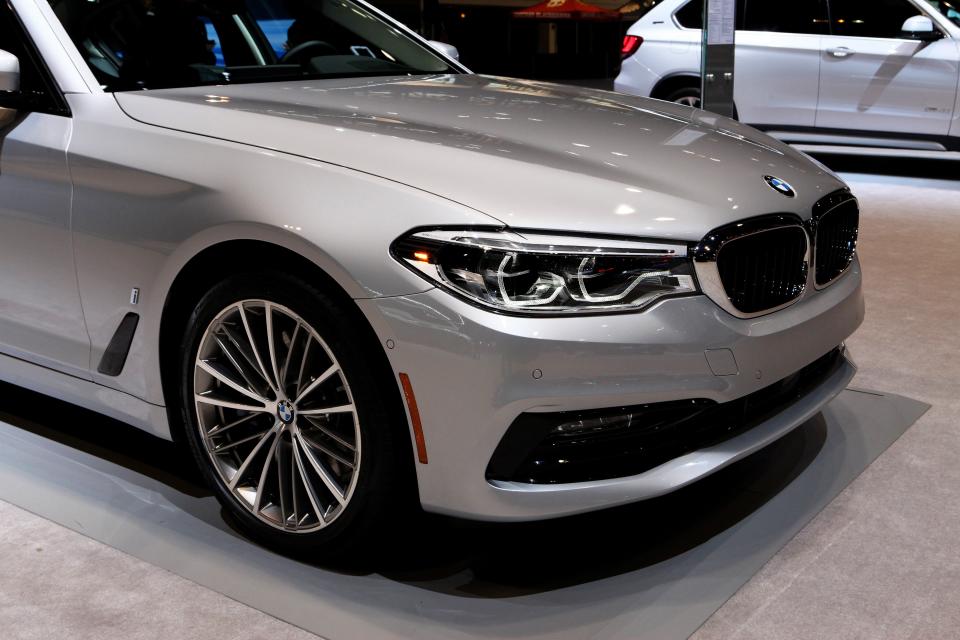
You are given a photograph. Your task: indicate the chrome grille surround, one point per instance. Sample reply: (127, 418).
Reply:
(707, 257)
(834, 228)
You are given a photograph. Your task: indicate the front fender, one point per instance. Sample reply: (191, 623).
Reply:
(148, 199)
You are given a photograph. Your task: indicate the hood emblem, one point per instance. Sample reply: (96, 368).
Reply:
(780, 186)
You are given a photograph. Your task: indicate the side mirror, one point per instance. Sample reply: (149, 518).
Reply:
(920, 28)
(446, 49)
(9, 73)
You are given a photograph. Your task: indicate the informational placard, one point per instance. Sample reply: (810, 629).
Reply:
(719, 47)
(721, 21)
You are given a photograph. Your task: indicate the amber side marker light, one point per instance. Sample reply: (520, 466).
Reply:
(422, 256)
(414, 418)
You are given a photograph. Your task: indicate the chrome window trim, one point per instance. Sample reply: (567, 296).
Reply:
(706, 253)
(824, 207)
(248, 38)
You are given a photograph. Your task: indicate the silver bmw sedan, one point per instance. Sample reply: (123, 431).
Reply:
(352, 277)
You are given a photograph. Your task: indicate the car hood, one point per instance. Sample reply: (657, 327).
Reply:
(530, 154)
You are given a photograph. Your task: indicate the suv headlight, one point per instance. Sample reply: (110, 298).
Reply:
(537, 273)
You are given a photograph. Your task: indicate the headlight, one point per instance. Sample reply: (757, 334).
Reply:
(546, 274)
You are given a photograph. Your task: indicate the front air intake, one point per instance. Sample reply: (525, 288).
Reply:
(617, 442)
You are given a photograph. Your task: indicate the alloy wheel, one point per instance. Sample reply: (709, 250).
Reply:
(276, 416)
(689, 101)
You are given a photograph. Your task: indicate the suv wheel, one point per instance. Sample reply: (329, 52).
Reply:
(687, 96)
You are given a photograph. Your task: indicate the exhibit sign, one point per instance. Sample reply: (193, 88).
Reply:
(717, 61)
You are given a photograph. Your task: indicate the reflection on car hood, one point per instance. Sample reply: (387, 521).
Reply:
(532, 155)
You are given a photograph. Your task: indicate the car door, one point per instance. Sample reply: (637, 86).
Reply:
(874, 79)
(40, 314)
(778, 61)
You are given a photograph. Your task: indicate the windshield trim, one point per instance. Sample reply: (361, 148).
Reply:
(455, 64)
(311, 77)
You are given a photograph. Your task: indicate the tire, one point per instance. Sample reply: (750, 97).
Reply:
(687, 96)
(290, 474)
(690, 97)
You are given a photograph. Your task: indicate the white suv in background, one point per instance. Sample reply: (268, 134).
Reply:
(859, 72)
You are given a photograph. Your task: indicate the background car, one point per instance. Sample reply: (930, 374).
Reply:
(861, 72)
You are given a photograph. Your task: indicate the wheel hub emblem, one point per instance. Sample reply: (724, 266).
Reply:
(780, 186)
(285, 412)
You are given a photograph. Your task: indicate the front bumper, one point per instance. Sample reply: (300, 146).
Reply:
(473, 372)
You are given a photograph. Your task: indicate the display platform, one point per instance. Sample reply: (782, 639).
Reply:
(651, 570)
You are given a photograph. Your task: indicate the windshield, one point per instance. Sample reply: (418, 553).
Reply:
(154, 44)
(949, 9)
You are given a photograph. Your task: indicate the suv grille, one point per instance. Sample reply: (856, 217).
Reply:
(836, 240)
(764, 270)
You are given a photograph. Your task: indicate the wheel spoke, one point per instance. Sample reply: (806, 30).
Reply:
(232, 339)
(321, 471)
(323, 377)
(271, 348)
(293, 486)
(286, 362)
(303, 364)
(226, 404)
(253, 347)
(242, 469)
(237, 443)
(308, 487)
(262, 482)
(336, 456)
(281, 485)
(218, 430)
(222, 377)
(344, 408)
(330, 434)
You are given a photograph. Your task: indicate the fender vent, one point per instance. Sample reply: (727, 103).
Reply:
(115, 356)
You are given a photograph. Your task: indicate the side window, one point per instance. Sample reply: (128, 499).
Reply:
(870, 18)
(274, 21)
(275, 30)
(690, 15)
(798, 16)
(213, 41)
(135, 45)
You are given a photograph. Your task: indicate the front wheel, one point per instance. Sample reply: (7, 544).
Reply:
(283, 417)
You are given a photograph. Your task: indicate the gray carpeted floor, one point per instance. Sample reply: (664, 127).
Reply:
(883, 561)
(55, 583)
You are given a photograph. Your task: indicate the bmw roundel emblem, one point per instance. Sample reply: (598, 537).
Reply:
(780, 186)
(285, 412)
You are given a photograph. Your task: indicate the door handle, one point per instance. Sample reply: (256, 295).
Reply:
(840, 52)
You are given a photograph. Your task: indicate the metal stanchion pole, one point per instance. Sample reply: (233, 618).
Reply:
(716, 65)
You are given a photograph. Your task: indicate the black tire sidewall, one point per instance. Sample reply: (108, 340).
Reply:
(673, 96)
